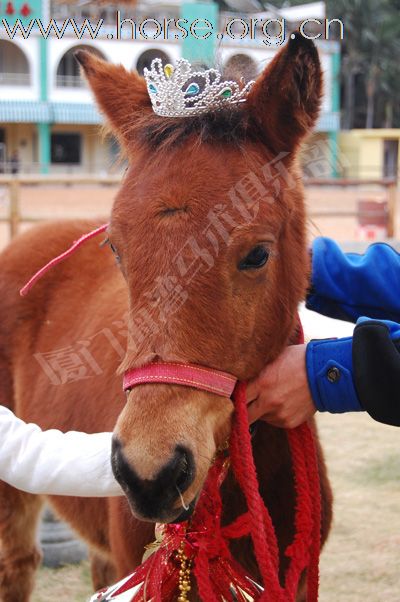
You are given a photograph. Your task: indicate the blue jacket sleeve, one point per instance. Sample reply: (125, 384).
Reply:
(358, 373)
(348, 286)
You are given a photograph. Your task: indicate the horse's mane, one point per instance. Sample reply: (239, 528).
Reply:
(230, 125)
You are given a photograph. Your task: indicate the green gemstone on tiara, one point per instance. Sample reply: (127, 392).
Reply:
(192, 89)
(226, 93)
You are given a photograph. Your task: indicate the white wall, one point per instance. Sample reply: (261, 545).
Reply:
(127, 52)
(326, 64)
(20, 137)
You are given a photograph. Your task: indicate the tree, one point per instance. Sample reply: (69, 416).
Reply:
(370, 67)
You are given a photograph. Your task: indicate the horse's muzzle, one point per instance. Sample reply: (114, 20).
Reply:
(160, 499)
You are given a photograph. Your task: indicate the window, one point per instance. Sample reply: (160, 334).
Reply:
(3, 154)
(68, 71)
(66, 148)
(14, 67)
(390, 158)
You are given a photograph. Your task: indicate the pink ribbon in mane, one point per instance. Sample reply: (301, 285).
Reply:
(56, 260)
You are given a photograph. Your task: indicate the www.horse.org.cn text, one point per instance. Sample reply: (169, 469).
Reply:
(270, 32)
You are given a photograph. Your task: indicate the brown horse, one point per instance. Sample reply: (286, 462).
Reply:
(209, 233)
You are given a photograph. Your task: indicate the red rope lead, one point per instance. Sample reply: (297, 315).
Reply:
(315, 490)
(261, 527)
(305, 548)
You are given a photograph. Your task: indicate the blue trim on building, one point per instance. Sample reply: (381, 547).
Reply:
(84, 113)
(14, 111)
(48, 112)
(63, 112)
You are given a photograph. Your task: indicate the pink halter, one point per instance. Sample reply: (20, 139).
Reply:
(188, 375)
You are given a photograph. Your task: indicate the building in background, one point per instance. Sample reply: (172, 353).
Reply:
(48, 121)
(371, 153)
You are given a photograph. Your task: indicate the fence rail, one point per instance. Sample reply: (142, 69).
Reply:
(14, 183)
(70, 81)
(15, 79)
(388, 184)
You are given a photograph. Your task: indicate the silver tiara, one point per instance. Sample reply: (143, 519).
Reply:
(180, 92)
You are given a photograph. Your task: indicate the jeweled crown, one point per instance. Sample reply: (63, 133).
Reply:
(181, 92)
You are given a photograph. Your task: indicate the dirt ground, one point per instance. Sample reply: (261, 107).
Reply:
(60, 202)
(362, 559)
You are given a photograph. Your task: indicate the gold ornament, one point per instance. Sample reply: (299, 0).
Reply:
(184, 574)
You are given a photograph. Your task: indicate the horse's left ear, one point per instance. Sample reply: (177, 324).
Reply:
(121, 95)
(286, 97)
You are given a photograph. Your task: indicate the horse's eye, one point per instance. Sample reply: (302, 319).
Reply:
(255, 259)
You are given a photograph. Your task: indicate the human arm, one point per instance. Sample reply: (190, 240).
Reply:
(335, 375)
(56, 463)
(347, 285)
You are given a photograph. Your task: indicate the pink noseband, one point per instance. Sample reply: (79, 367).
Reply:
(188, 375)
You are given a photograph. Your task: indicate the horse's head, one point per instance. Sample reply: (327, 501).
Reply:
(208, 229)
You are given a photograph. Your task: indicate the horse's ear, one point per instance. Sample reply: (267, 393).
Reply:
(286, 97)
(121, 95)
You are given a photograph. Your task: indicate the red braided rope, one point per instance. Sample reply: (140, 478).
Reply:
(309, 447)
(261, 527)
(305, 548)
(298, 551)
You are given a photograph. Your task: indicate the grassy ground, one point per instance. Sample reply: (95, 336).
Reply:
(361, 561)
(69, 584)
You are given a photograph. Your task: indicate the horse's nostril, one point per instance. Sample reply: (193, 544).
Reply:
(184, 468)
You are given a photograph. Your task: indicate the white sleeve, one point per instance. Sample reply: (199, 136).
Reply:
(55, 463)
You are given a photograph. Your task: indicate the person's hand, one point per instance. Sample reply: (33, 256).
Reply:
(280, 395)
